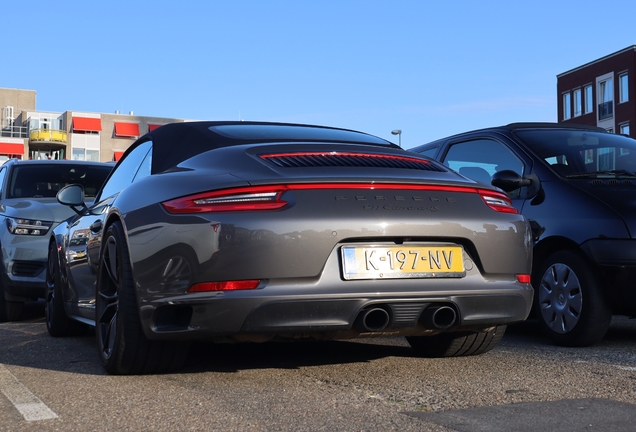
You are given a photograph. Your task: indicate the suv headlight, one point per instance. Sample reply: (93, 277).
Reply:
(28, 226)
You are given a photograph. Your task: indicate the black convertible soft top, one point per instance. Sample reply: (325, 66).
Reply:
(176, 142)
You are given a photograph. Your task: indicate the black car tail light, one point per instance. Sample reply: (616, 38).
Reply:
(225, 286)
(258, 198)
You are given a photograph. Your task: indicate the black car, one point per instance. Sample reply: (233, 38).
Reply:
(577, 187)
(247, 231)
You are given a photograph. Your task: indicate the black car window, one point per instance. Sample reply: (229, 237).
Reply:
(45, 179)
(581, 153)
(125, 171)
(144, 168)
(430, 152)
(479, 159)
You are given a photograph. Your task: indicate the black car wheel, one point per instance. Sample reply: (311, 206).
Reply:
(571, 308)
(9, 310)
(123, 347)
(456, 344)
(57, 323)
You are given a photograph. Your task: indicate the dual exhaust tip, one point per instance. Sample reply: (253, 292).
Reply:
(377, 318)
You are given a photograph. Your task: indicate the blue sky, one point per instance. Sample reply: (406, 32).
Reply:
(429, 68)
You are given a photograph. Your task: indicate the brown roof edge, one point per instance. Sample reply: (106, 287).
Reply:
(633, 47)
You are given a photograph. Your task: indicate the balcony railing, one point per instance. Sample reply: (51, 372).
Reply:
(605, 110)
(14, 132)
(48, 135)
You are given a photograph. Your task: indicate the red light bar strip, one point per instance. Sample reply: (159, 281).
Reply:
(498, 201)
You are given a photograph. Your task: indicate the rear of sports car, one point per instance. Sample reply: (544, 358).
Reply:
(286, 242)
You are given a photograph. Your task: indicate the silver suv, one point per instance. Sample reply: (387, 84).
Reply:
(28, 210)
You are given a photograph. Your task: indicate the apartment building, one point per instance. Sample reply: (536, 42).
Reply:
(27, 133)
(601, 93)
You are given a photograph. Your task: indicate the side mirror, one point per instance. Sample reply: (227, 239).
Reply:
(73, 196)
(509, 180)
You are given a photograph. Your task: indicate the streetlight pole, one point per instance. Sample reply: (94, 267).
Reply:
(398, 132)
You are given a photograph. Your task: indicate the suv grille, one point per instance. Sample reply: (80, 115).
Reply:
(336, 159)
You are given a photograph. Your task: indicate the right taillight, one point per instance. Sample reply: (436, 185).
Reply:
(497, 201)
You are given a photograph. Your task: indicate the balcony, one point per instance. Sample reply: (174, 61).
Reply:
(13, 132)
(605, 110)
(47, 135)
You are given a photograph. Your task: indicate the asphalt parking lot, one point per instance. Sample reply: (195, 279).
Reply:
(524, 384)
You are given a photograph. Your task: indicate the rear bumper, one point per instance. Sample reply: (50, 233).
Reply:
(220, 315)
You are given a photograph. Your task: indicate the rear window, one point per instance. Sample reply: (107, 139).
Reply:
(297, 133)
(44, 180)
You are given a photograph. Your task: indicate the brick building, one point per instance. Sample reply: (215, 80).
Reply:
(601, 93)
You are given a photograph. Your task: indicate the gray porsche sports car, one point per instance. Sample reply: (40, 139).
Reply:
(250, 231)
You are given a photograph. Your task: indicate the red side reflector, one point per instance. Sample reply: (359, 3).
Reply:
(523, 278)
(225, 285)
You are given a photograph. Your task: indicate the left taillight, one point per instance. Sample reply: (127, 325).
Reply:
(497, 201)
(238, 199)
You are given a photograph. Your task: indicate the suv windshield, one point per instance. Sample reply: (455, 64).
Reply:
(580, 153)
(44, 180)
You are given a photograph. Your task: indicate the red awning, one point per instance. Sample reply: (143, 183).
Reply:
(117, 155)
(126, 129)
(152, 127)
(87, 124)
(11, 149)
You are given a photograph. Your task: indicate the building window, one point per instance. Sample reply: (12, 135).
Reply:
(624, 129)
(606, 104)
(577, 103)
(623, 88)
(567, 106)
(85, 154)
(589, 102)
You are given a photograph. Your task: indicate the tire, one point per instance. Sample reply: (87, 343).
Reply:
(58, 323)
(570, 305)
(9, 310)
(456, 344)
(123, 347)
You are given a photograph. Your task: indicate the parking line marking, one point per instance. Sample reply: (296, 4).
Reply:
(28, 404)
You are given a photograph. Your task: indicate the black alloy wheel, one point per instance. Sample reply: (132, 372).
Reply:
(571, 308)
(122, 345)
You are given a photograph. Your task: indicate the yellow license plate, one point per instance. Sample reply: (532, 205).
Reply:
(403, 261)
